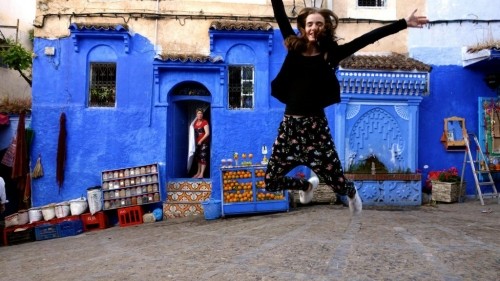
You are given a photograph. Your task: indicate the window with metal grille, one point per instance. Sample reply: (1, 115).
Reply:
(371, 3)
(102, 90)
(241, 90)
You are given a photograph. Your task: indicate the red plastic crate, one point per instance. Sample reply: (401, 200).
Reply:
(98, 220)
(130, 215)
(69, 218)
(13, 237)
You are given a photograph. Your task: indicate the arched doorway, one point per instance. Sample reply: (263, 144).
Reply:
(185, 98)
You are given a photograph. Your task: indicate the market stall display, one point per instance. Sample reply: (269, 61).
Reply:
(243, 191)
(130, 186)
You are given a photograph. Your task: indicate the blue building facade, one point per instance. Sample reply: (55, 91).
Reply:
(149, 122)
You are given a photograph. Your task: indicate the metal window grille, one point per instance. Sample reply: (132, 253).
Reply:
(191, 89)
(102, 90)
(241, 87)
(371, 3)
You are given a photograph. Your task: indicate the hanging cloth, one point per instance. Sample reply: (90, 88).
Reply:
(20, 165)
(38, 170)
(4, 120)
(61, 151)
(27, 192)
(191, 146)
(8, 158)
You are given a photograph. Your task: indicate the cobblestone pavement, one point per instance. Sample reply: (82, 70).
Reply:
(458, 241)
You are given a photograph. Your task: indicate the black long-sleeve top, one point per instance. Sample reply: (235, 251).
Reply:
(307, 84)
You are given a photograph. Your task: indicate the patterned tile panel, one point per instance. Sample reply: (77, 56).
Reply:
(184, 198)
(179, 210)
(190, 186)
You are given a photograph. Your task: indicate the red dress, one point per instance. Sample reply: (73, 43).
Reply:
(202, 150)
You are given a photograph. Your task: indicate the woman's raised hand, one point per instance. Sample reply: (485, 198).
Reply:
(416, 21)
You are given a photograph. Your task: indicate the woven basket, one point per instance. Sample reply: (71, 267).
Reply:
(322, 194)
(447, 191)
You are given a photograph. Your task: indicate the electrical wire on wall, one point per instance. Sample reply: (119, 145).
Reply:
(181, 18)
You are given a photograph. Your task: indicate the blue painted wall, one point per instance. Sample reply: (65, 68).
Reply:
(133, 133)
(148, 124)
(454, 92)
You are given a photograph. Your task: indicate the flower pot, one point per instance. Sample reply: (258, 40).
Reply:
(447, 191)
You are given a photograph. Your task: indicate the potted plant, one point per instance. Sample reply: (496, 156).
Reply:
(102, 96)
(445, 185)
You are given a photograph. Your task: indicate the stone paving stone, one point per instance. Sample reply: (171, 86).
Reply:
(457, 241)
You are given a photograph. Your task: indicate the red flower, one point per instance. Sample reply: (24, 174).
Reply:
(449, 175)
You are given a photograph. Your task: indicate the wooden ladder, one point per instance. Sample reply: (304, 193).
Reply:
(480, 170)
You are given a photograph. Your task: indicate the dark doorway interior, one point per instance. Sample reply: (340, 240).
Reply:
(11, 190)
(182, 112)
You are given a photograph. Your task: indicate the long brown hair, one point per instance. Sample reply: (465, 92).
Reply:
(299, 43)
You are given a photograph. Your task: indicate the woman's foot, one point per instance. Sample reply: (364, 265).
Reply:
(196, 176)
(307, 196)
(355, 204)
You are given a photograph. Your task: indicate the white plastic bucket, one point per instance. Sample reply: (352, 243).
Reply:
(22, 217)
(62, 210)
(35, 214)
(12, 220)
(94, 198)
(78, 206)
(48, 212)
